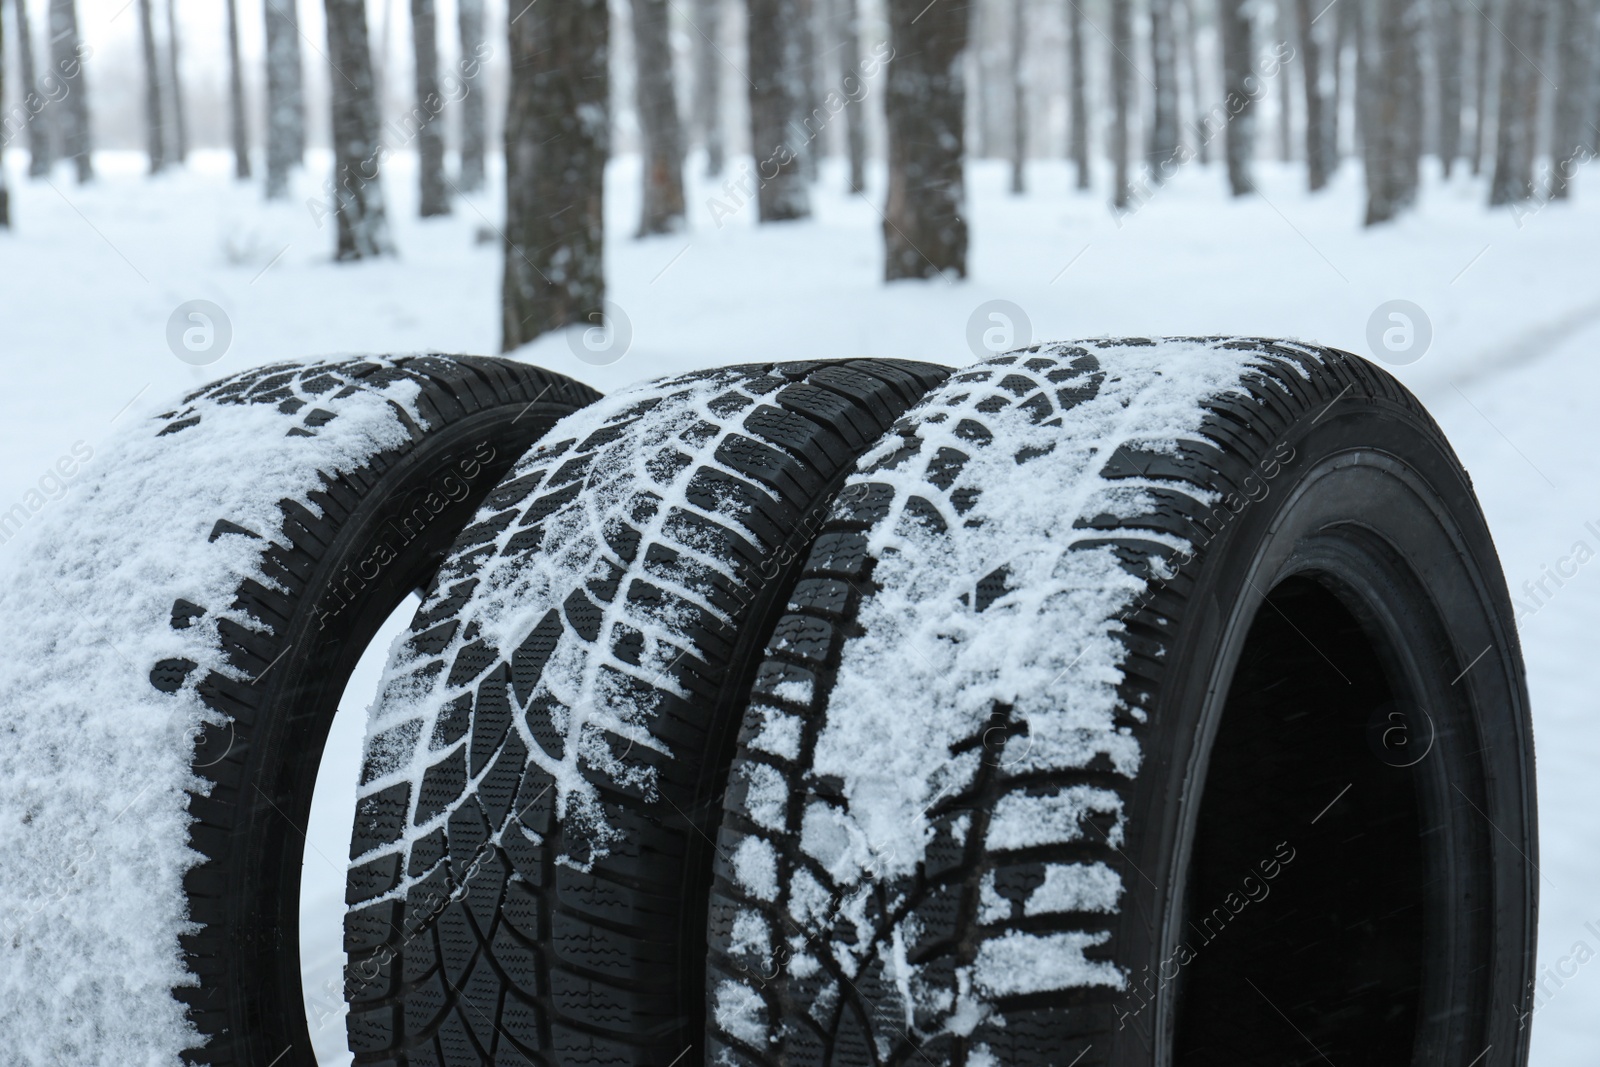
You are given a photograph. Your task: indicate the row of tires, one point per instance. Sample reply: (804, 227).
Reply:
(1119, 702)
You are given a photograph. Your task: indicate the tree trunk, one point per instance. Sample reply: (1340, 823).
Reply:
(1524, 26)
(474, 111)
(1285, 32)
(777, 86)
(1191, 55)
(1346, 37)
(1238, 57)
(1447, 61)
(5, 190)
(1570, 136)
(180, 125)
(1483, 86)
(1314, 56)
(433, 194)
(1019, 97)
(662, 209)
(154, 141)
(357, 155)
(804, 136)
(1393, 84)
(924, 230)
(236, 108)
(1077, 88)
(848, 32)
(708, 83)
(1121, 98)
(285, 96)
(39, 151)
(71, 122)
(557, 140)
(1164, 148)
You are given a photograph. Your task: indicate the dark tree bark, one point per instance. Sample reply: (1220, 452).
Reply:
(924, 229)
(1197, 99)
(557, 140)
(177, 118)
(1164, 146)
(286, 114)
(1392, 84)
(1447, 63)
(1315, 56)
(662, 209)
(847, 16)
(39, 151)
(433, 194)
(154, 141)
(1483, 86)
(1019, 97)
(777, 88)
(71, 119)
(236, 108)
(474, 109)
(708, 83)
(363, 227)
(1570, 135)
(1524, 25)
(1238, 81)
(1121, 99)
(1077, 90)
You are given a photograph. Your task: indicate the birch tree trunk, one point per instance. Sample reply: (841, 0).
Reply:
(1570, 135)
(1164, 147)
(178, 118)
(285, 95)
(924, 228)
(1019, 97)
(1238, 55)
(1448, 63)
(777, 87)
(433, 193)
(1315, 54)
(557, 140)
(662, 209)
(848, 32)
(708, 83)
(71, 120)
(236, 108)
(1121, 99)
(363, 226)
(474, 110)
(1524, 25)
(39, 151)
(154, 140)
(1393, 84)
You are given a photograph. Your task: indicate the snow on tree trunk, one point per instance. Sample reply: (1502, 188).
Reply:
(154, 141)
(177, 121)
(1392, 83)
(924, 230)
(1238, 81)
(1019, 96)
(847, 29)
(1447, 63)
(1197, 100)
(661, 206)
(1574, 75)
(1524, 26)
(707, 21)
(363, 228)
(1121, 99)
(285, 96)
(236, 110)
(1164, 148)
(557, 139)
(777, 87)
(474, 110)
(433, 196)
(38, 124)
(1317, 52)
(71, 121)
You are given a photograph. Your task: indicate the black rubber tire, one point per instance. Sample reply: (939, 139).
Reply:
(518, 903)
(1248, 864)
(312, 609)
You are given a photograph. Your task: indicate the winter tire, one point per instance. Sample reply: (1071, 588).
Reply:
(177, 643)
(1141, 703)
(532, 852)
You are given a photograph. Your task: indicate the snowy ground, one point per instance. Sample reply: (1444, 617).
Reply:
(90, 276)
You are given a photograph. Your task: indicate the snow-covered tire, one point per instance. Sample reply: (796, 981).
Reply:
(177, 641)
(1144, 704)
(532, 851)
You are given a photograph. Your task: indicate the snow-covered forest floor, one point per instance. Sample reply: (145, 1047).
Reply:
(90, 276)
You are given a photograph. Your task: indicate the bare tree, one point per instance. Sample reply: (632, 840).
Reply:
(1447, 65)
(1570, 132)
(363, 227)
(286, 109)
(847, 29)
(661, 209)
(155, 142)
(236, 108)
(71, 122)
(777, 87)
(1019, 96)
(1121, 99)
(1392, 84)
(804, 136)
(5, 190)
(433, 195)
(1524, 27)
(474, 110)
(1164, 146)
(707, 22)
(1191, 55)
(1077, 91)
(1316, 53)
(40, 156)
(178, 121)
(557, 139)
(1483, 86)
(924, 227)
(1238, 56)
(1284, 31)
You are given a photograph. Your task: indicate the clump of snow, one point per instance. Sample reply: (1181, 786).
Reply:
(1017, 962)
(1075, 887)
(94, 760)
